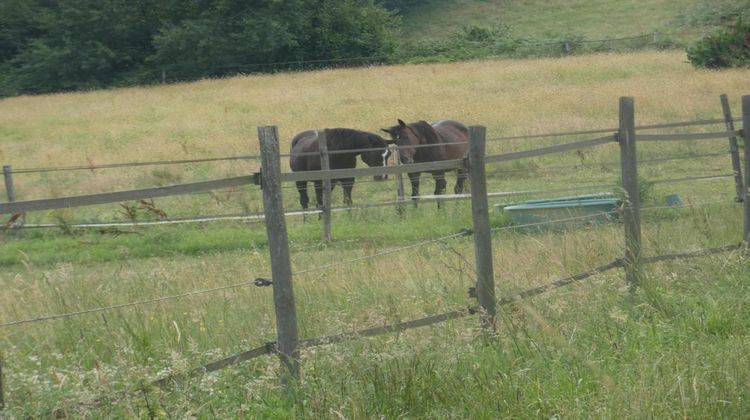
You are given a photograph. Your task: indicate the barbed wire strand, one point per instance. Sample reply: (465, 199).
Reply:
(335, 152)
(124, 305)
(425, 198)
(130, 164)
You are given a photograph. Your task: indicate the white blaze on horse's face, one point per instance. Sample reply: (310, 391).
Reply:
(383, 177)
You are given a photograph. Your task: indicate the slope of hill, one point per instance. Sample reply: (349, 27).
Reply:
(539, 18)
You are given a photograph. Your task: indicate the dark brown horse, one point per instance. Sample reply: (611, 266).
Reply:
(344, 145)
(423, 142)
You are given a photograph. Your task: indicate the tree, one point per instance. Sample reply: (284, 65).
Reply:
(60, 45)
(728, 48)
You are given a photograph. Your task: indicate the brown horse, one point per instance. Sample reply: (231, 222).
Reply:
(423, 142)
(344, 145)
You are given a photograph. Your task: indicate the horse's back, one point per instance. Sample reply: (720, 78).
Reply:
(303, 143)
(456, 136)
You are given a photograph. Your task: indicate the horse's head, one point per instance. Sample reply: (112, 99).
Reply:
(375, 157)
(405, 138)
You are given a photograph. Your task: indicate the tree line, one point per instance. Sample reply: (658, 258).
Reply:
(68, 45)
(64, 45)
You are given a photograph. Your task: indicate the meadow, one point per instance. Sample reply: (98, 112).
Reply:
(676, 348)
(596, 19)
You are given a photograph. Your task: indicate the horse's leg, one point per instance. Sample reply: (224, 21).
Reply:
(304, 200)
(319, 193)
(414, 178)
(461, 176)
(440, 185)
(347, 184)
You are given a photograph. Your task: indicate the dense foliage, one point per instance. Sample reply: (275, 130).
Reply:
(50, 46)
(70, 45)
(728, 48)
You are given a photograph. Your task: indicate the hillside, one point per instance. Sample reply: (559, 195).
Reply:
(594, 19)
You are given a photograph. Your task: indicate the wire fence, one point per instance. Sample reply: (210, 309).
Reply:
(262, 281)
(258, 217)
(408, 52)
(91, 167)
(269, 348)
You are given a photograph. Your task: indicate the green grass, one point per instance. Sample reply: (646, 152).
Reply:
(587, 349)
(543, 19)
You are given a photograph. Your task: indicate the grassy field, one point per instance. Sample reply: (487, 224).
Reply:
(537, 18)
(678, 348)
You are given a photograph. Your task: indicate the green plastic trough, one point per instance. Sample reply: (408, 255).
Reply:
(589, 208)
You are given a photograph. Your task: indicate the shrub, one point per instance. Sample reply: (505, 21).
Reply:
(728, 48)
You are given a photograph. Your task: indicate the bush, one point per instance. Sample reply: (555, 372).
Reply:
(728, 48)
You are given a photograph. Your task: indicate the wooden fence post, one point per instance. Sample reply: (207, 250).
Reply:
(481, 223)
(733, 149)
(10, 192)
(326, 166)
(399, 179)
(746, 139)
(2, 392)
(278, 246)
(632, 201)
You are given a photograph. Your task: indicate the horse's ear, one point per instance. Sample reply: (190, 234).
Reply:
(401, 123)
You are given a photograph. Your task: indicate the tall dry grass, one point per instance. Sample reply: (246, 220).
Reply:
(218, 117)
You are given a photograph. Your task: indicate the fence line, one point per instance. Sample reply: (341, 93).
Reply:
(505, 157)
(692, 178)
(114, 197)
(612, 130)
(461, 233)
(631, 263)
(413, 51)
(548, 169)
(687, 136)
(422, 198)
(256, 157)
(126, 305)
(131, 164)
(268, 348)
(681, 124)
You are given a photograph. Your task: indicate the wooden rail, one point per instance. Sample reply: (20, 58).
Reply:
(687, 136)
(116, 197)
(549, 150)
(180, 189)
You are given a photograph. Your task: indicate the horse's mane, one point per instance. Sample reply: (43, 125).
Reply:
(425, 131)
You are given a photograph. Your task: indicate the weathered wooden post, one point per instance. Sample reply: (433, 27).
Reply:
(733, 149)
(2, 392)
(393, 148)
(745, 193)
(10, 192)
(278, 246)
(631, 200)
(325, 165)
(481, 223)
